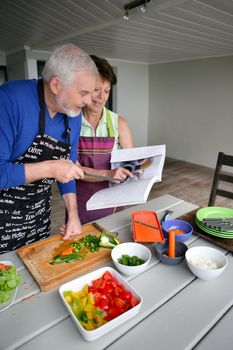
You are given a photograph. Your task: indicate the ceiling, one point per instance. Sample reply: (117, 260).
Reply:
(170, 30)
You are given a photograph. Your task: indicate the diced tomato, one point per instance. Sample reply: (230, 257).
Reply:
(133, 301)
(120, 304)
(118, 291)
(98, 297)
(113, 312)
(127, 295)
(4, 267)
(92, 290)
(108, 289)
(107, 276)
(114, 283)
(103, 304)
(99, 283)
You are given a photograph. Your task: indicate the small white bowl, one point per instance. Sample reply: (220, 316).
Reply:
(205, 262)
(131, 249)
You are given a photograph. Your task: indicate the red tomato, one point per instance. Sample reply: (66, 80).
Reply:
(127, 295)
(133, 301)
(103, 304)
(118, 291)
(4, 267)
(91, 289)
(99, 283)
(108, 289)
(107, 276)
(114, 283)
(120, 304)
(113, 312)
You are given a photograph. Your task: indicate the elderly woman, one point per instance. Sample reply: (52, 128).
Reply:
(102, 131)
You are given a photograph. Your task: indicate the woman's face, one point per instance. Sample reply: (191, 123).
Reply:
(100, 96)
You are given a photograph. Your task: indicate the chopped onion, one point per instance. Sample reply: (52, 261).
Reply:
(204, 263)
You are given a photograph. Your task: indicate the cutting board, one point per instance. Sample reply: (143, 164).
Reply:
(221, 242)
(37, 257)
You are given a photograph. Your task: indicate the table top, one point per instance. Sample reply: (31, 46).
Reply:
(179, 311)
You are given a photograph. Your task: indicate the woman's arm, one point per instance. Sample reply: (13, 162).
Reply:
(125, 135)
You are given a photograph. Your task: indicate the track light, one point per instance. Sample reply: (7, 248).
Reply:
(134, 4)
(143, 8)
(126, 15)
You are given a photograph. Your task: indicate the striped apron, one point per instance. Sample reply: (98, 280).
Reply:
(95, 152)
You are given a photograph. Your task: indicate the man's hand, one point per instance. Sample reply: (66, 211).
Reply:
(73, 226)
(63, 170)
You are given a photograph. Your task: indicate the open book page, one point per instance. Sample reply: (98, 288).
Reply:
(146, 164)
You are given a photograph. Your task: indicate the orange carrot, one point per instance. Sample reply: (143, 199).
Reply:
(171, 244)
(177, 231)
(67, 251)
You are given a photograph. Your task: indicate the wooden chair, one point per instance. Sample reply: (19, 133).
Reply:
(219, 175)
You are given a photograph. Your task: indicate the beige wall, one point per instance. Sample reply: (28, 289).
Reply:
(132, 97)
(191, 108)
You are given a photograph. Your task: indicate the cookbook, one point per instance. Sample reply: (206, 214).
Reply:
(146, 164)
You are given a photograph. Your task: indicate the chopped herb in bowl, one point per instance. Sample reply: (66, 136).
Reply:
(130, 260)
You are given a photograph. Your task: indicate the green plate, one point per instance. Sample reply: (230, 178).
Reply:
(214, 230)
(214, 212)
(220, 234)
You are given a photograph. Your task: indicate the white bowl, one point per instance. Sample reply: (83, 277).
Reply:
(80, 282)
(131, 248)
(205, 262)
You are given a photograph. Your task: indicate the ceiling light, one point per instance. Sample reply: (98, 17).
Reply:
(134, 4)
(126, 15)
(143, 8)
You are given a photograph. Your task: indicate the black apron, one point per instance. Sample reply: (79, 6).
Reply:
(25, 211)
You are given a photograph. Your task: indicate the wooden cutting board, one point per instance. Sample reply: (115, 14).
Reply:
(37, 257)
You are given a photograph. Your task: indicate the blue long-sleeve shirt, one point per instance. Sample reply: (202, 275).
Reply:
(19, 125)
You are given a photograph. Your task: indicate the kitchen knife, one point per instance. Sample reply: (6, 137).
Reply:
(103, 177)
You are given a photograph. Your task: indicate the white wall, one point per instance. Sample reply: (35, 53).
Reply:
(132, 97)
(191, 108)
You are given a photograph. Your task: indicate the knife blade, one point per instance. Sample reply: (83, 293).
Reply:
(103, 177)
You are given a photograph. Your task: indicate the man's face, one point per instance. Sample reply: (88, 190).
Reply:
(72, 97)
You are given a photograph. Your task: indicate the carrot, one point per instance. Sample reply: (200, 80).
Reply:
(171, 244)
(177, 231)
(67, 251)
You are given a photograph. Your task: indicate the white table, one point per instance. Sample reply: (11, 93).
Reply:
(179, 311)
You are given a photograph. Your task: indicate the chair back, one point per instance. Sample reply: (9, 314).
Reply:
(219, 175)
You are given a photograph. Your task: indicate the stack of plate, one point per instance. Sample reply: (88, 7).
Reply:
(214, 212)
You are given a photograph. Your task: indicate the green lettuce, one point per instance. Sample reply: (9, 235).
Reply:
(9, 280)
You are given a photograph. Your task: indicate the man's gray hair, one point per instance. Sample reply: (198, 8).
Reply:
(66, 60)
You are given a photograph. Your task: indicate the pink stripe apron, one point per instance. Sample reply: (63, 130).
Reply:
(94, 152)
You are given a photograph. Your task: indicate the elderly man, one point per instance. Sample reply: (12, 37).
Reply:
(39, 124)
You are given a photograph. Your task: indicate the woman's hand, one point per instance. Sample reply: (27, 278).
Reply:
(120, 173)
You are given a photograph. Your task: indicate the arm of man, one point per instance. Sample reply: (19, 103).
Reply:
(63, 170)
(73, 226)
